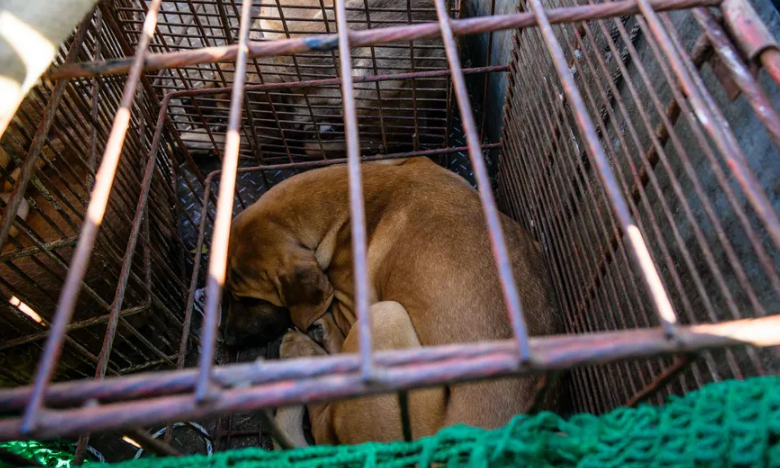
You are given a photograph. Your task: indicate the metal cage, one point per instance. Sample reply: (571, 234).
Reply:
(639, 146)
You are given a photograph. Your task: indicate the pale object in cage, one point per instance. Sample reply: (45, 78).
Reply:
(30, 34)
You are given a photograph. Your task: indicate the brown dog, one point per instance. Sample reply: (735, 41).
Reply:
(432, 281)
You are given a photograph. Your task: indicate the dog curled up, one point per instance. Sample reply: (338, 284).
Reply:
(432, 281)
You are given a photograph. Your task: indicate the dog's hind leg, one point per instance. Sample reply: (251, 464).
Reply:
(379, 418)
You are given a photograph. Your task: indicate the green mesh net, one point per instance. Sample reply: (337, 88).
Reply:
(734, 423)
(55, 454)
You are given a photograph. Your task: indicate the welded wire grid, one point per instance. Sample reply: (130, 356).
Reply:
(560, 174)
(49, 158)
(696, 199)
(296, 123)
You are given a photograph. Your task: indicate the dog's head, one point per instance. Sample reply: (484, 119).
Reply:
(273, 281)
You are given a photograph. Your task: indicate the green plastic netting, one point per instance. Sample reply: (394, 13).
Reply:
(734, 423)
(54, 454)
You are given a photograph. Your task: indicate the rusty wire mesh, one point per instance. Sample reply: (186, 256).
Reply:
(653, 215)
(293, 123)
(701, 228)
(36, 254)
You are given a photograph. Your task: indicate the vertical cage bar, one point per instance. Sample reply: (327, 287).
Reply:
(97, 206)
(488, 61)
(714, 123)
(356, 207)
(221, 236)
(770, 59)
(188, 309)
(39, 140)
(638, 248)
(508, 287)
(742, 76)
(127, 261)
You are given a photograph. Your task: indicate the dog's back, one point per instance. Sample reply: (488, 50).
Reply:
(444, 250)
(429, 250)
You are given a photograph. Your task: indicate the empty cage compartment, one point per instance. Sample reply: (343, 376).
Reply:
(49, 155)
(636, 140)
(690, 152)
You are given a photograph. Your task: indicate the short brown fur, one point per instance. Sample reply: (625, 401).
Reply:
(428, 249)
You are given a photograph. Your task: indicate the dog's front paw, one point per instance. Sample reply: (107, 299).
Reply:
(327, 334)
(297, 344)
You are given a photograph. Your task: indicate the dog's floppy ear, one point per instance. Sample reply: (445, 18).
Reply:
(306, 291)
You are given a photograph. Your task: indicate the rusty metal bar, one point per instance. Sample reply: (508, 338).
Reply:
(72, 327)
(41, 133)
(415, 115)
(584, 349)
(376, 72)
(187, 323)
(335, 81)
(639, 250)
(356, 205)
(96, 85)
(740, 72)
(751, 35)
(680, 364)
(47, 247)
(368, 37)
(151, 444)
(770, 59)
(713, 122)
(221, 236)
(98, 201)
(655, 154)
(127, 261)
(486, 86)
(508, 286)
(338, 376)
